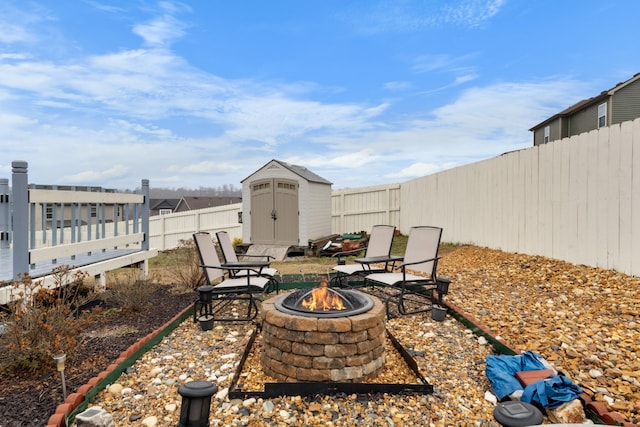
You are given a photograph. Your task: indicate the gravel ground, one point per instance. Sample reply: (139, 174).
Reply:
(583, 320)
(448, 356)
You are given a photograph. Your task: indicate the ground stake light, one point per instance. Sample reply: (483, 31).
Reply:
(60, 359)
(203, 310)
(442, 287)
(196, 402)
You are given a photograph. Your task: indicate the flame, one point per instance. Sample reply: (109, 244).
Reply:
(323, 300)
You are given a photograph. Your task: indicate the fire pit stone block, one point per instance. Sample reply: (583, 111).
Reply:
(337, 349)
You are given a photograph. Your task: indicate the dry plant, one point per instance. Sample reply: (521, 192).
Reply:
(129, 291)
(43, 322)
(187, 270)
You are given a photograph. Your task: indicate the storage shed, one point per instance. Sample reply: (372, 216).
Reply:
(285, 205)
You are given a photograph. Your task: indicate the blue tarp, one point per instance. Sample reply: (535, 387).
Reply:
(548, 393)
(551, 392)
(501, 371)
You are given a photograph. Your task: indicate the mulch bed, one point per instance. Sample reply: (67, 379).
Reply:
(29, 400)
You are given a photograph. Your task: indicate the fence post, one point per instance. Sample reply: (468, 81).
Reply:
(5, 222)
(145, 214)
(20, 191)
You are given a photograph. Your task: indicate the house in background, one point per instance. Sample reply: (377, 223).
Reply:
(162, 206)
(618, 104)
(192, 203)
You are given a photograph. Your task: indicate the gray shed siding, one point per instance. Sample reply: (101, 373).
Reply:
(626, 103)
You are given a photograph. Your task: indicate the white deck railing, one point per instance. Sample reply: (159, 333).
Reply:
(93, 229)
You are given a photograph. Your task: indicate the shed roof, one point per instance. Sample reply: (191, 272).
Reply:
(297, 169)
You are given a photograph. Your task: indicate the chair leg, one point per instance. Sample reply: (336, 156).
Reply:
(404, 294)
(338, 281)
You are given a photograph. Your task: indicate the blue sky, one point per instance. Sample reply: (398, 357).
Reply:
(363, 92)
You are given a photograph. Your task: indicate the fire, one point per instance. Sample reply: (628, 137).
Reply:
(323, 300)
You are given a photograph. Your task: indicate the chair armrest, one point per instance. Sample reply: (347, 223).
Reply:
(346, 253)
(405, 264)
(268, 257)
(230, 268)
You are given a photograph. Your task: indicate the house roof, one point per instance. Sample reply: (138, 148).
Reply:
(156, 204)
(192, 203)
(587, 102)
(298, 170)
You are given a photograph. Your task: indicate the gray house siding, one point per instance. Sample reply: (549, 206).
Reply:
(583, 120)
(554, 130)
(626, 104)
(623, 104)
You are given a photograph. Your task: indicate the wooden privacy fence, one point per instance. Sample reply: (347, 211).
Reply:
(576, 199)
(166, 231)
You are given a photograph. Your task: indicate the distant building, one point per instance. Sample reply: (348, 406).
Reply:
(162, 206)
(193, 203)
(616, 105)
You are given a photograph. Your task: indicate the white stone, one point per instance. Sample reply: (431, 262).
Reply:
(150, 422)
(490, 397)
(222, 378)
(268, 407)
(94, 417)
(126, 391)
(595, 373)
(609, 399)
(222, 394)
(170, 407)
(249, 402)
(283, 414)
(228, 356)
(482, 341)
(157, 370)
(183, 377)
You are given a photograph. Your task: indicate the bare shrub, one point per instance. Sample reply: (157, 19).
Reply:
(129, 292)
(187, 270)
(41, 322)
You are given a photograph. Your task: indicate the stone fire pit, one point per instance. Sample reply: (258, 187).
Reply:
(347, 348)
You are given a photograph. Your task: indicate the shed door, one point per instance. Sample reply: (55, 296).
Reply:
(274, 212)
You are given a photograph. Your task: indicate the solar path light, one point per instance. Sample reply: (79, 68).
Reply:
(196, 402)
(60, 359)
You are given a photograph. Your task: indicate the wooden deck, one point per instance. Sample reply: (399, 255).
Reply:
(95, 265)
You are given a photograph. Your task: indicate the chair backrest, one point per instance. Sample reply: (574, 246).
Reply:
(228, 252)
(380, 240)
(423, 243)
(208, 256)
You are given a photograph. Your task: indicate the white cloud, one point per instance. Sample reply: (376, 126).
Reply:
(416, 15)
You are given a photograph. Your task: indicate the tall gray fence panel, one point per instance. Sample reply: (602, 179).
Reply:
(20, 192)
(5, 215)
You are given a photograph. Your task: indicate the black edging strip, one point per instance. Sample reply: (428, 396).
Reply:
(309, 388)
